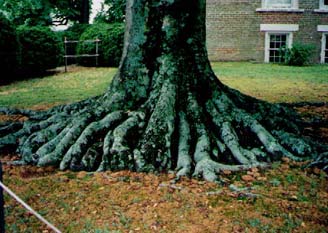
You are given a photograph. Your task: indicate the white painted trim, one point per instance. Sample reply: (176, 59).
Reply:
(320, 10)
(266, 47)
(323, 46)
(283, 10)
(290, 40)
(322, 28)
(279, 27)
(267, 42)
(322, 6)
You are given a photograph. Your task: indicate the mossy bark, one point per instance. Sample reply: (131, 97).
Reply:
(164, 110)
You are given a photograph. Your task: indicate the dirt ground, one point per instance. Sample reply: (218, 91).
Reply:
(284, 198)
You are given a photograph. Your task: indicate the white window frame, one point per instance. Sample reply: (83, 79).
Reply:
(324, 39)
(322, 6)
(266, 5)
(324, 51)
(271, 29)
(289, 42)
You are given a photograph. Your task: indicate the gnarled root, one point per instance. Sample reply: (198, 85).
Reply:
(173, 129)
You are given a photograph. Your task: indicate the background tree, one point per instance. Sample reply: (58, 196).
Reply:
(165, 109)
(112, 11)
(27, 12)
(46, 12)
(72, 10)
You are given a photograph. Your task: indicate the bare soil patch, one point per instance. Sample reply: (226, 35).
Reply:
(4, 118)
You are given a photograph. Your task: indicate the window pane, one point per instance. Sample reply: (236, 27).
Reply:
(279, 2)
(285, 1)
(325, 2)
(275, 53)
(273, 38)
(276, 42)
(272, 44)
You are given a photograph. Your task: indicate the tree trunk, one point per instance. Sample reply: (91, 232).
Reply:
(84, 16)
(164, 110)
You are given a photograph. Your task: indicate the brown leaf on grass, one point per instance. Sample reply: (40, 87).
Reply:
(136, 198)
(247, 178)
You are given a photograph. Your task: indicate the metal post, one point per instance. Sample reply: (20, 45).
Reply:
(2, 207)
(65, 46)
(97, 52)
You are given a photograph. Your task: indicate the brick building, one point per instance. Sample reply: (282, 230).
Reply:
(253, 30)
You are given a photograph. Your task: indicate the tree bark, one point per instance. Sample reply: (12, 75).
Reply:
(85, 12)
(164, 110)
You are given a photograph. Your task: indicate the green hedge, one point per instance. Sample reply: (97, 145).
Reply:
(9, 49)
(110, 47)
(41, 49)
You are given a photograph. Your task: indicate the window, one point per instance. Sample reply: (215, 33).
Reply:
(279, 4)
(277, 42)
(277, 36)
(323, 4)
(324, 43)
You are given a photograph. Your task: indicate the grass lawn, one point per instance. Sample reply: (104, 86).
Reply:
(77, 84)
(274, 83)
(285, 198)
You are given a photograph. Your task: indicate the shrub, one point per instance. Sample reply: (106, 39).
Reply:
(8, 50)
(298, 54)
(110, 46)
(41, 49)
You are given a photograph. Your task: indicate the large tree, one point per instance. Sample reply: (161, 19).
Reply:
(165, 109)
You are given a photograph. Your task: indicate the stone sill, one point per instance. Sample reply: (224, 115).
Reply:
(280, 10)
(320, 10)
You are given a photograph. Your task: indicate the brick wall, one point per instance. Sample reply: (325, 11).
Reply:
(233, 28)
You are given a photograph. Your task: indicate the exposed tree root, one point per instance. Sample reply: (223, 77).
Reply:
(193, 139)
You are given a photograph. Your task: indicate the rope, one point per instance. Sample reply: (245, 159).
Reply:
(26, 206)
